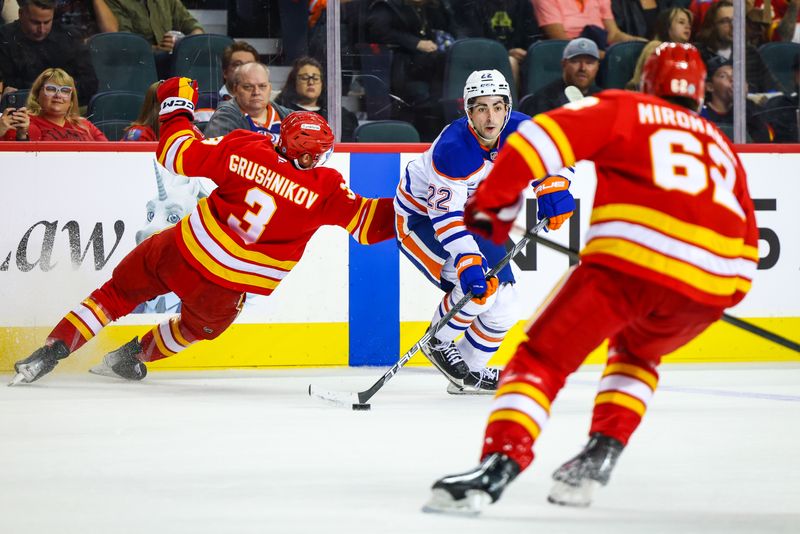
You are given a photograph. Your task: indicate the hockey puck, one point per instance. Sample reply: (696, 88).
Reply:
(361, 407)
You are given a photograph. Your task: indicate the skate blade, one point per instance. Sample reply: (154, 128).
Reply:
(580, 496)
(103, 370)
(19, 378)
(441, 502)
(468, 390)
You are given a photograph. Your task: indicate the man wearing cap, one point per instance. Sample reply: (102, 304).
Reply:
(579, 65)
(718, 107)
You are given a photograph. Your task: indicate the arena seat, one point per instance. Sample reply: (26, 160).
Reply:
(115, 105)
(123, 61)
(464, 57)
(618, 65)
(199, 57)
(113, 129)
(779, 58)
(542, 64)
(386, 131)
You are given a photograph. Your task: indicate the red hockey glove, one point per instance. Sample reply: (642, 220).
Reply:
(178, 96)
(555, 201)
(492, 223)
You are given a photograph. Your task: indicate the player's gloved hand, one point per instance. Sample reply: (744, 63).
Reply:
(471, 273)
(555, 201)
(178, 96)
(492, 223)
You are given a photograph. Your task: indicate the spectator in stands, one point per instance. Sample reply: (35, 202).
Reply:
(250, 108)
(511, 22)
(718, 107)
(757, 25)
(157, 21)
(783, 112)
(53, 110)
(568, 19)
(638, 17)
(305, 91)
(234, 57)
(145, 127)
(83, 18)
(716, 39)
(31, 45)
(673, 25)
(411, 28)
(579, 65)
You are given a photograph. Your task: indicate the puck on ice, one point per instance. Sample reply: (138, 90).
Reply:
(361, 407)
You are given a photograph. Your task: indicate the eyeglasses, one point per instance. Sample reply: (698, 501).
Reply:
(51, 90)
(313, 78)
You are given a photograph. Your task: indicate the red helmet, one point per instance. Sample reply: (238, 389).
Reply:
(304, 132)
(675, 69)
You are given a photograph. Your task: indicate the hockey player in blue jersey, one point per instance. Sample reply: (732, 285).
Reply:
(430, 231)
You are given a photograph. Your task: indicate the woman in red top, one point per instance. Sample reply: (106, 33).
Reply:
(53, 110)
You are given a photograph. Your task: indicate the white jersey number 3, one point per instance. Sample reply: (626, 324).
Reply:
(686, 171)
(257, 220)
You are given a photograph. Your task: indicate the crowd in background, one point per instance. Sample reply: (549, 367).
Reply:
(48, 79)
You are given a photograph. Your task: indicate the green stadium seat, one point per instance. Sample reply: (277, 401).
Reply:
(114, 130)
(464, 57)
(123, 62)
(199, 57)
(115, 105)
(543, 64)
(386, 132)
(779, 58)
(617, 67)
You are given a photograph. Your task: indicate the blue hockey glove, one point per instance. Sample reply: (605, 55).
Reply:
(471, 273)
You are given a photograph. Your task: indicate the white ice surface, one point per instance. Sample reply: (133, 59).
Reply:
(250, 452)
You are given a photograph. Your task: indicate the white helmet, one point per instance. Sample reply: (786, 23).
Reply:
(487, 83)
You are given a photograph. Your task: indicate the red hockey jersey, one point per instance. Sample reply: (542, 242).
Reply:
(252, 230)
(672, 204)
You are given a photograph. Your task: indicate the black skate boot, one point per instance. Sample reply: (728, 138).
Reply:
(122, 363)
(483, 382)
(446, 357)
(468, 493)
(576, 480)
(42, 361)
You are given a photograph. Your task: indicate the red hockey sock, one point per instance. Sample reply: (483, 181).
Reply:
(166, 339)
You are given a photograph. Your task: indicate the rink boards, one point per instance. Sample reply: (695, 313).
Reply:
(71, 216)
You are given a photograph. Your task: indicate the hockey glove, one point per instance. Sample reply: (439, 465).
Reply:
(178, 97)
(471, 273)
(555, 201)
(492, 223)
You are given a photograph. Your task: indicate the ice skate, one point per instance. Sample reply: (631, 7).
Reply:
(577, 479)
(42, 361)
(446, 357)
(483, 382)
(122, 363)
(468, 493)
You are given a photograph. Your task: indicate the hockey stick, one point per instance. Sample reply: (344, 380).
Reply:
(744, 325)
(358, 400)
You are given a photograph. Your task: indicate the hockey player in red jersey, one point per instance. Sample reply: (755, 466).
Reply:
(672, 243)
(245, 237)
